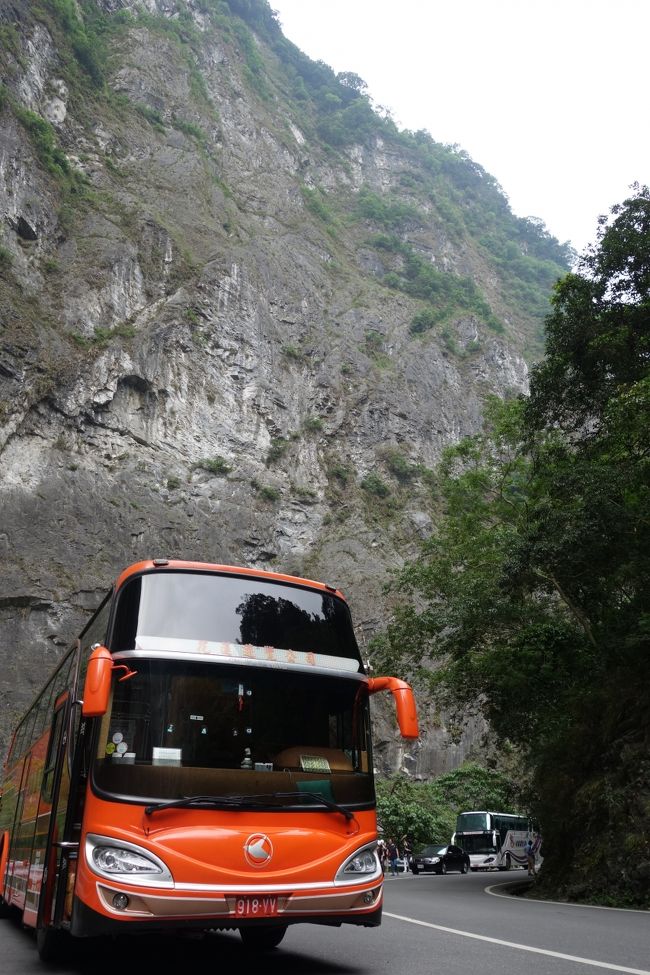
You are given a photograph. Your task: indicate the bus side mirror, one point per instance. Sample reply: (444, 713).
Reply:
(407, 717)
(97, 686)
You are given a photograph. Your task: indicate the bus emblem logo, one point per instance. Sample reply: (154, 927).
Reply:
(258, 850)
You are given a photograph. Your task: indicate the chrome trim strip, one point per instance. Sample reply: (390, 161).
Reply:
(242, 888)
(270, 888)
(252, 888)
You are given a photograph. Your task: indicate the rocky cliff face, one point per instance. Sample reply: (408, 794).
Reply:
(207, 345)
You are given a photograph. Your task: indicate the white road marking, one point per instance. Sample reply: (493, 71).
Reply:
(513, 944)
(534, 900)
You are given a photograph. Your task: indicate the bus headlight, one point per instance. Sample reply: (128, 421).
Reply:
(362, 865)
(113, 859)
(119, 860)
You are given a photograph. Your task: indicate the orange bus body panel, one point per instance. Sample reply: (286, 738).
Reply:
(208, 854)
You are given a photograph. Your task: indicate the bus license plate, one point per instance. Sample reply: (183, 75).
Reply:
(256, 906)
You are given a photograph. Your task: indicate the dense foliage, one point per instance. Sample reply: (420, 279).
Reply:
(532, 597)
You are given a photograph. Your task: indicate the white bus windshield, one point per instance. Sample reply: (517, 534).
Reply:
(230, 609)
(469, 821)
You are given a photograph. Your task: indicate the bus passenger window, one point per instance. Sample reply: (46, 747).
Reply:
(52, 752)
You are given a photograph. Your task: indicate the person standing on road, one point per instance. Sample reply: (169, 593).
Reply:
(391, 850)
(407, 851)
(530, 858)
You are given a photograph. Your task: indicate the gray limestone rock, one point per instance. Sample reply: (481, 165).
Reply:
(197, 359)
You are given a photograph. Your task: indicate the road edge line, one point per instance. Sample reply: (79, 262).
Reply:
(542, 900)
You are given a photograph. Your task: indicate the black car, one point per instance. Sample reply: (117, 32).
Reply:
(440, 859)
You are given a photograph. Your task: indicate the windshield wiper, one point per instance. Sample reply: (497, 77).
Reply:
(244, 802)
(205, 802)
(317, 797)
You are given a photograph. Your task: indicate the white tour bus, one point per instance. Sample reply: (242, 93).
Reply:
(496, 841)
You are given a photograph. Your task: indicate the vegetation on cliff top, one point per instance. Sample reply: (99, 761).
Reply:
(440, 185)
(533, 593)
(336, 109)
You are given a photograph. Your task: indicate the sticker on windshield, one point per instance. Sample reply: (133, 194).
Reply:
(166, 756)
(314, 763)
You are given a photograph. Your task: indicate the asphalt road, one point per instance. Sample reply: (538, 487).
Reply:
(453, 925)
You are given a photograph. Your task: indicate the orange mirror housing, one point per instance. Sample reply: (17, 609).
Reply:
(97, 687)
(407, 717)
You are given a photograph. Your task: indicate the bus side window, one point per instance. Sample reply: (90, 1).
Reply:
(52, 752)
(45, 704)
(62, 678)
(30, 722)
(94, 633)
(103, 738)
(18, 747)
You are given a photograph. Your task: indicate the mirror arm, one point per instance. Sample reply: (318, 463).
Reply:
(404, 701)
(126, 676)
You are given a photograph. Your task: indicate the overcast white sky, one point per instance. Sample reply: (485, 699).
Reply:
(552, 97)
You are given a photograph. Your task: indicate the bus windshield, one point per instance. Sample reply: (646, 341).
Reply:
(162, 610)
(468, 821)
(186, 728)
(477, 842)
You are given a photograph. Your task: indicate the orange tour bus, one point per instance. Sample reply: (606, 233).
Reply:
(200, 759)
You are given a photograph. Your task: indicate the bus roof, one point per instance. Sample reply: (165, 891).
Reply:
(176, 565)
(490, 812)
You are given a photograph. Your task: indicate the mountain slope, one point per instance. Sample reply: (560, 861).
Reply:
(241, 313)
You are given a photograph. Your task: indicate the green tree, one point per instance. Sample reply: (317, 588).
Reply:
(405, 809)
(471, 786)
(533, 594)
(353, 81)
(597, 337)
